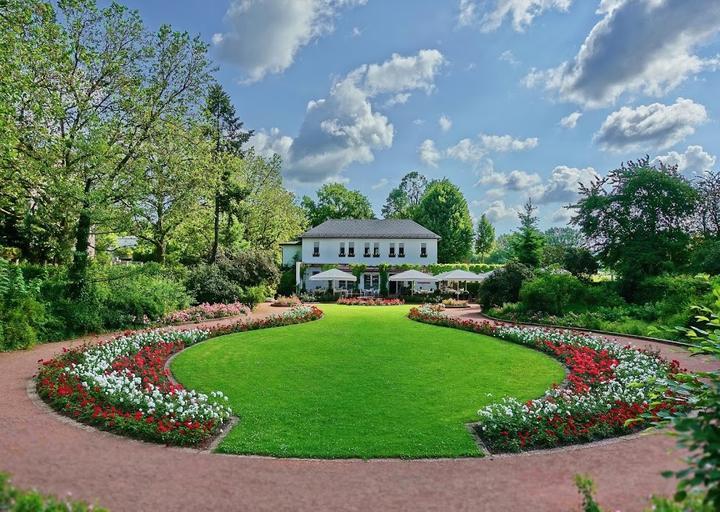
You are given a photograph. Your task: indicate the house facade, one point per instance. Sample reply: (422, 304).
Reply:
(370, 242)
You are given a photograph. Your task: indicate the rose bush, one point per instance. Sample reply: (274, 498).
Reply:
(122, 385)
(607, 384)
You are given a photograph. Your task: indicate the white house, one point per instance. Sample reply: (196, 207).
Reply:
(371, 242)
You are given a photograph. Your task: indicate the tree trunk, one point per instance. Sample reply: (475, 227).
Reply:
(78, 271)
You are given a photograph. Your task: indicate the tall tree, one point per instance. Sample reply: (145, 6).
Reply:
(405, 197)
(528, 247)
(558, 241)
(225, 131)
(484, 237)
(98, 98)
(637, 220)
(444, 210)
(336, 201)
(708, 214)
(166, 195)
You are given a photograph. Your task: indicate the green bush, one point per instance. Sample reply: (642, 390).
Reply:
(287, 285)
(250, 268)
(254, 295)
(551, 293)
(208, 283)
(705, 258)
(16, 500)
(580, 262)
(503, 285)
(676, 289)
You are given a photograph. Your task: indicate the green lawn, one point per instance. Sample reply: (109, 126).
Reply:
(361, 382)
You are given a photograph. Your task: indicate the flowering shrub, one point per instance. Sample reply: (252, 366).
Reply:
(369, 301)
(205, 311)
(122, 384)
(284, 302)
(607, 384)
(455, 303)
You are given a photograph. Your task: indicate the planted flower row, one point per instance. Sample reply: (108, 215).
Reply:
(205, 311)
(369, 301)
(122, 385)
(607, 385)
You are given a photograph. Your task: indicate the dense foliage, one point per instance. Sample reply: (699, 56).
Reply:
(444, 211)
(336, 201)
(13, 499)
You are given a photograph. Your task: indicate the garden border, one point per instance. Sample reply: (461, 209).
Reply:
(582, 329)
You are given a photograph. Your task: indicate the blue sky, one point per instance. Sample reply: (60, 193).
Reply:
(507, 98)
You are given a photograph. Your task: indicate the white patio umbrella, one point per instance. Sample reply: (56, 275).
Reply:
(413, 276)
(333, 275)
(459, 276)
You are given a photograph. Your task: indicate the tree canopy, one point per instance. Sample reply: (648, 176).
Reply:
(336, 201)
(403, 199)
(528, 246)
(484, 236)
(444, 210)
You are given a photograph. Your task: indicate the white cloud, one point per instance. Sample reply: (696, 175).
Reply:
(570, 120)
(656, 126)
(497, 211)
(419, 122)
(695, 161)
(264, 36)
(344, 128)
(399, 99)
(506, 143)
(382, 183)
(429, 155)
(356, 32)
(563, 185)
(445, 123)
(509, 57)
(513, 180)
(646, 46)
(470, 151)
(342, 180)
(521, 12)
(270, 143)
(561, 216)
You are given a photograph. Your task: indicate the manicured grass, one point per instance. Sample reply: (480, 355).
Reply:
(361, 382)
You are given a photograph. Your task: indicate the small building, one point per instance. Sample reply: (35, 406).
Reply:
(371, 242)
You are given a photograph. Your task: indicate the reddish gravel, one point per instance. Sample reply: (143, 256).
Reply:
(45, 452)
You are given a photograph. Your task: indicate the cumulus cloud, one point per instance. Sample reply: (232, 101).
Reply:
(344, 128)
(509, 57)
(398, 99)
(521, 12)
(646, 46)
(563, 185)
(264, 36)
(270, 143)
(561, 216)
(650, 126)
(694, 161)
(429, 154)
(498, 211)
(445, 123)
(476, 150)
(513, 180)
(570, 120)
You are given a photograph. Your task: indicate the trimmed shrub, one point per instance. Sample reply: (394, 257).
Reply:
(503, 285)
(551, 293)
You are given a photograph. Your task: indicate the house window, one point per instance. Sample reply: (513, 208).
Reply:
(401, 250)
(392, 250)
(342, 250)
(316, 249)
(367, 249)
(351, 249)
(376, 250)
(371, 281)
(423, 250)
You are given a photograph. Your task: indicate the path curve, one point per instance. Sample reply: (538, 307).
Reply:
(43, 452)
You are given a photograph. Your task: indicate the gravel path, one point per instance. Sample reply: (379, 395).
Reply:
(42, 451)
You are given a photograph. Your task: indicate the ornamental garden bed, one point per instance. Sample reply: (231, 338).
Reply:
(455, 303)
(369, 301)
(607, 386)
(122, 386)
(205, 311)
(286, 302)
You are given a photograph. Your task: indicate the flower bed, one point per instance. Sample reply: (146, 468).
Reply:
(607, 385)
(205, 311)
(369, 301)
(122, 385)
(286, 302)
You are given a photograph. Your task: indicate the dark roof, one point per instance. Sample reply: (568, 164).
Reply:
(369, 228)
